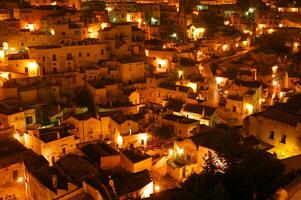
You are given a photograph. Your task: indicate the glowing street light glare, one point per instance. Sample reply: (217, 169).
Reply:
(109, 9)
(180, 73)
(225, 47)
(271, 31)
(20, 179)
(5, 46)
(170, 152)
(249, 108)
(157, 188)
(274, 69)
(31, 27)
(180, 151)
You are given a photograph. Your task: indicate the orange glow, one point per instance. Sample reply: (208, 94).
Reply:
(31, 27)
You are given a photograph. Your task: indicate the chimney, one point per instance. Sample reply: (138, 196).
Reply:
(54, 181)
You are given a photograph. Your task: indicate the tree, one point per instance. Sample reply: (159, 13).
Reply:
(250, 172)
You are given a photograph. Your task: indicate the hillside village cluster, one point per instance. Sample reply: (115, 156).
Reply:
(125, 99)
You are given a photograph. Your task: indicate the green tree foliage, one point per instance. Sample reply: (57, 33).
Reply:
(249, 173)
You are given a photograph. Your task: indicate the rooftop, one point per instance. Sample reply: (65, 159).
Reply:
(126, 182)
(199, 109)
(173, 86)
(77, 168)
(102, 83)
(10, 147)
(135, 156)
(95, 151)
(281, 116)
(51, 134)
(179, 119)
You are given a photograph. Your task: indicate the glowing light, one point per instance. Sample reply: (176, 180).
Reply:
(164, 46)
(2, 54)
(174, 35)
(274, 83)
(262, 100)
(129, 17)
(193, 86)
(4, 75)
(31, 27)
(245, 43)
(180, 73)
(225, 47)
(195, 32)
(226, 23)
(281, 94)
(5, 46)
(296, 44)
(274, 69)
(271, 30)
(280, 25)
(32, 65)
(248, 32)
(252, 10)
(20, 179)
(218, 80)
(170, 152)
(16, 136)
(180, 151)
(144, 137)
(119, 140)
(104, 25)
(109, 9)
(261, 26)
(249, 108)
(157, 188)
(52, 32)
(154, 21)
(236, 45)
(92, 33)
(162, 62)
(146, 52)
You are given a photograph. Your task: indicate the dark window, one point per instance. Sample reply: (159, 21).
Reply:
(79, 54)
(29, 120)
(52, 159)
(102, 52)
(272, 135)
(64, 150)
(15, 175)
(283, 139)
(26, 70)
(54, 57)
